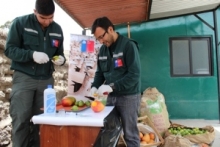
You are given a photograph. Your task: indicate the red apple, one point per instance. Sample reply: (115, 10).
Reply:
(68, 101)
(105, 93)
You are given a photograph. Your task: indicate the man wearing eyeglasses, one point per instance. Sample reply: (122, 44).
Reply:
(32, 42)
(118, 67)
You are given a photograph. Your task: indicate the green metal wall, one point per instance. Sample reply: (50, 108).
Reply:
(186, 97)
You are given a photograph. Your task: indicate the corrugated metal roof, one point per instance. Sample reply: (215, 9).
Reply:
(166, 8)
(124, 11)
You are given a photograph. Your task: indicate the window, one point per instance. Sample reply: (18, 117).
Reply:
(190, 56)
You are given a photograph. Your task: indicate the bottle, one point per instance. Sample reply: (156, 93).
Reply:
(49, 100)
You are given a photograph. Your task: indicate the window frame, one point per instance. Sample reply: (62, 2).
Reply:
(190, 39)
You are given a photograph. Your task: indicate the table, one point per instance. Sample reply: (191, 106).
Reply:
(70, 129)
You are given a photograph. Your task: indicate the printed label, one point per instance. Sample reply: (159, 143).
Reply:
(51, 103)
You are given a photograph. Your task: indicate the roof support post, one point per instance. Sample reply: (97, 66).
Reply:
(217, 57)
(129, 35)
(84, 32)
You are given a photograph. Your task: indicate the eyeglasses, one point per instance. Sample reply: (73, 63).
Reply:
(101, 37)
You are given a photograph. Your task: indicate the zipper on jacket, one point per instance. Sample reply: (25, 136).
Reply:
(44, 44)
(111, 68)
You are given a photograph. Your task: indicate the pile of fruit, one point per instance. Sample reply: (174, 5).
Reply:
(70, 101)
(147, 138)
(186, 131)
(80, 103)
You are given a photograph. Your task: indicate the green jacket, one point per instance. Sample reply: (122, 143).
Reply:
(119, 64)
(25, 37)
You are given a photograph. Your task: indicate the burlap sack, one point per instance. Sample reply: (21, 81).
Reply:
(207, 137)
(153, 105)
(177, 141)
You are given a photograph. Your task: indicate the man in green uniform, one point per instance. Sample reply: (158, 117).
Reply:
(32, 42)
(119, 68)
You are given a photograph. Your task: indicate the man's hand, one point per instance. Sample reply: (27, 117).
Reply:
(104, 90)
(93, 92)
(40, 57)
(59, 60)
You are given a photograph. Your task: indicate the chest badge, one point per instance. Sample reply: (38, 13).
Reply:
(55, 43)
(118, 63)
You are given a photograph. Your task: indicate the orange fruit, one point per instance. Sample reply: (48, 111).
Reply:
(97, 106)
(140, 135)
(143, 142)
(94, 104)
(146, 137)
(152, 135)
(204, 145)
(151, 141)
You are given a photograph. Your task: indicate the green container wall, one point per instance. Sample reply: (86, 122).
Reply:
(186, 97)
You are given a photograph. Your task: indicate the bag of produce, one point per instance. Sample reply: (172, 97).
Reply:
(177, 141)
(194, 134)
(153, 105)
(148, 137)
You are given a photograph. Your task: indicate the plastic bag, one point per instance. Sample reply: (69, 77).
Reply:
(109, 134)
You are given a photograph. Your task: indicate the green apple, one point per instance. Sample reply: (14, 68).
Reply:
(88, 103)
(55, 58)
(80, 103)
(75, 108)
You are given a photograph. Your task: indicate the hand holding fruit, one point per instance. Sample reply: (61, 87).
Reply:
(40, 57)
(93, 92)
(58, 60)
(104, 90)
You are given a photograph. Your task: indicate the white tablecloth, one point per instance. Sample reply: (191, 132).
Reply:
(83, 118)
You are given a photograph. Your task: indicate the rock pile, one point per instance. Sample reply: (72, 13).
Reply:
(5, 72)
(5, 124)
(5, 89)
(61, 80)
